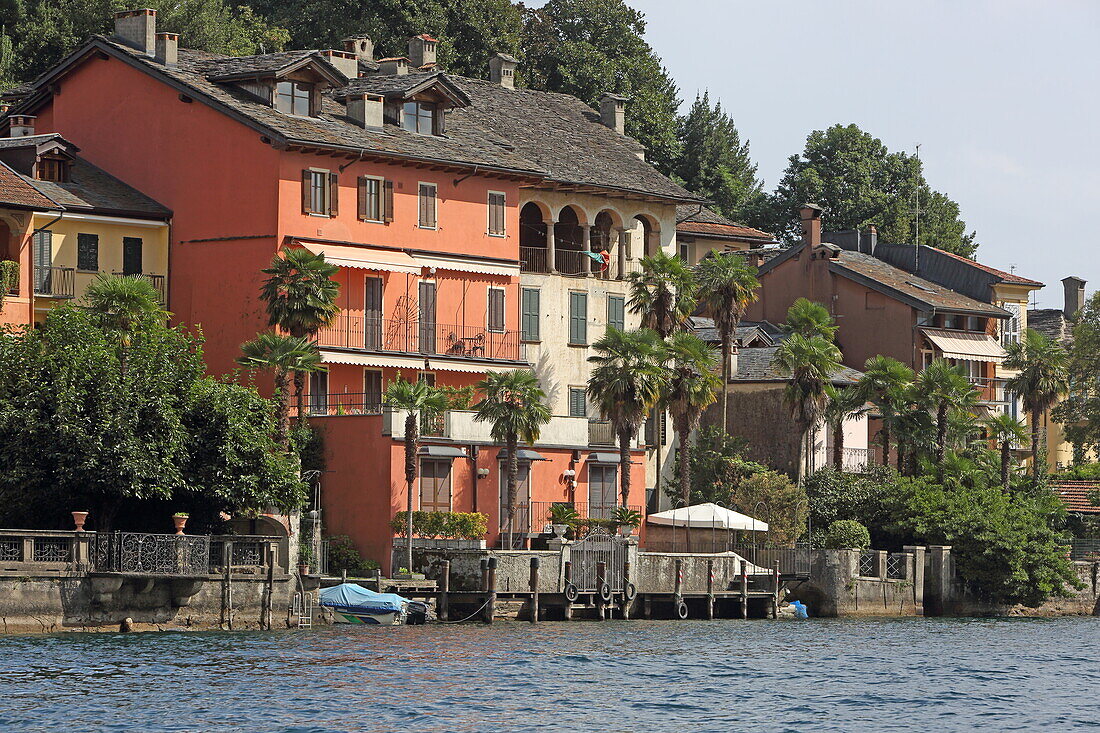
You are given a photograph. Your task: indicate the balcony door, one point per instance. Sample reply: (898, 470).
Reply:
(435, 485)
(372, 313)
(522, 523)
(427, 318)
(602, 490)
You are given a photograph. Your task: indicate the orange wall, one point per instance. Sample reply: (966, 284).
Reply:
(16, 245)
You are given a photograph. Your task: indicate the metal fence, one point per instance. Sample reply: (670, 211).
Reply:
(895, 566)
(867, 564)
(1084, 549)
(411, 336)
(599, 546)
(157, 554)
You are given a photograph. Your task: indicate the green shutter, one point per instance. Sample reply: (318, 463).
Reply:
(530, 314)
(578, 319)
(577, 404)
(616, 311)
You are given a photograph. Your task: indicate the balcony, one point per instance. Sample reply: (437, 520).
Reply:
(400, 336)
(573, 263)
(600, 432)
(54, 282)
(159, 282)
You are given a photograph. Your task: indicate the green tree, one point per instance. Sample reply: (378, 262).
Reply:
(866, 497)
(727, 286)
(944, 388)
(844, 403)
(663, 293)
(285, 356)
(786, 503)
(515, 407)
(1079, 413)
(625, 384)
(714, 162)
(885, 384)
(809, 319)
(121, 305)
(301, 299)
(811, 362)
(859, 182)
(589, 47)
(716, 466)
(419, 401)
(1042, 377)
(1005, 430)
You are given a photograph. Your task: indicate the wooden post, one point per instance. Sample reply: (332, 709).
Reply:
(567, 609)
(626, 583)
(227, 591)
(444, 608)
(744, 589)
(534, 590)
(266, 617)
(491, 579)
(601, 573)
(710, 588)
(378, 580)
(775, 590)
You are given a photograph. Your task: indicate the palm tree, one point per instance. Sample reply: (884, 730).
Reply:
(625, 385)
(1043, 378)
(884, 384)
(843, 404)
(418, 400)
(727, 286)
(284, 355)
(120, 304)
(810, 319)
(692, 386)
(515, 406)
(914, 432)
(811, 362)
(1005, 430)
(943, 388)
(301, 299)
(663, 293)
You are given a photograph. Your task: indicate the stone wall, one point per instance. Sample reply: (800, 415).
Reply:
(759, 414)
(837, 588)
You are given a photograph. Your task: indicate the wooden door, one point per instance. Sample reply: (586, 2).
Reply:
(523, 498)
(602, 494)
(435, 485)
(131, 256)
(372, 313)
(427, 318)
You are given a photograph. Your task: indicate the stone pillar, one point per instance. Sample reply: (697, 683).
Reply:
(551, 257)
(915, 574)
(621, 255)
(937, 584)
(586, 246)
(880, 563)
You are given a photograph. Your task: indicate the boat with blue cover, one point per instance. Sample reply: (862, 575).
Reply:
(354, 604)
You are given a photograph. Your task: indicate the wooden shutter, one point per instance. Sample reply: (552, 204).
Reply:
(307, 180)
(361, 196)
(530, 314)
(496, 309)
(616, 311)
(87, 252)
(333, 194)
(578, 406)
(578, 318)
(387, 188)
(131, 256)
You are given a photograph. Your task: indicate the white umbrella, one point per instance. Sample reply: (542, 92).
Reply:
(707, 516)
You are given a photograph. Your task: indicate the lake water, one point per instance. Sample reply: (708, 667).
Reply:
(817, 675)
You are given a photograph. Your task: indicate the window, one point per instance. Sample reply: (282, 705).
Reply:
(578, 404)
(370, 198)
(529, 314)
(655, 421)
(685, 252)
(602, 493)
(131, 256)
(87, 252)
(292, 97)
(372, 313)
(427, 378)
(427, 310)
(427, 206)
(435, 485)
(1010, 330)
(496, 310)
(419, 117)
(318, 393)
(496, 214)
(973, 323)
(372, 391)
(53, 168)
(320, 192)
(950, 321)
(578, 319)
(616, 312)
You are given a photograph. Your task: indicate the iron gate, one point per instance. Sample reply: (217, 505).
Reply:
(598, 546)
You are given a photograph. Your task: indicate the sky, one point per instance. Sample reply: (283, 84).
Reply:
(1002, 98)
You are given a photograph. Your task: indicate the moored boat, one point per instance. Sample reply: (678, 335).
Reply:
(354, 604)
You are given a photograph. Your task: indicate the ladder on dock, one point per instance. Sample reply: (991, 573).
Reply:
(303, 609)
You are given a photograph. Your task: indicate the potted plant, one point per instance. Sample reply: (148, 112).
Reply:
(305, 557)
(180, 520)
(562, 517)
(627, 520)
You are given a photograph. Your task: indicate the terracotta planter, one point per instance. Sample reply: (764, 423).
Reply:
(303, 569)
(180, 523)
(78, 519)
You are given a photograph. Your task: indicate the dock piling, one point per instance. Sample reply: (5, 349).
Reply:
(491, 584)
(534, 590)
(710, 589)
(601, 605)
(444, 610)
(744, 589)
(775, 590)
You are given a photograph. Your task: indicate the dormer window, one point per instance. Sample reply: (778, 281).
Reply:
(53, 168)
(419, 117)
(293, 97)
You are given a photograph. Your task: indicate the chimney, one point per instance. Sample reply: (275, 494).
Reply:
(362, 46)
(502, 70)
(168, 45)
(345, 62)
(365, 110)
(399, 65)
(869, 241)
(21, 125)
(810, 214)
(137, 29)
(1075, 295)
(422, 51)
(613, 112)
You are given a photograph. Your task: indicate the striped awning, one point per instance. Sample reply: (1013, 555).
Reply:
(478, 266)
(966, 346)
(364, 258)
(414, 362)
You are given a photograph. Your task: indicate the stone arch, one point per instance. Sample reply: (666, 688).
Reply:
(650, 234)
(532, 225)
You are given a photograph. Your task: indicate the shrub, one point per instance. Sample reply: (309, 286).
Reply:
(342, 556)
(564, 514)
(787, 506)
(624, 517)
(1079, 472)
(864, 497)
(448, 525)
(847, 533)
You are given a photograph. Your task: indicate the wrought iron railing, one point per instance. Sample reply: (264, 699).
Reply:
(867, 564)
(574, 262)
(534, 517)
(53, 549)
(407, 336)
(533, 259)
(1084, 549)
(342, 403)
(11, 550)
(151, 554)
(54, 282)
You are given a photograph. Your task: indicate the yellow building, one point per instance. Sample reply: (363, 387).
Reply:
(63, 220)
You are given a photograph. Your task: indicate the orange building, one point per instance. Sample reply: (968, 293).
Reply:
(400, 178)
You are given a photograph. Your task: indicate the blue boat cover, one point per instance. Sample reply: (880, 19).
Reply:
(357, 598)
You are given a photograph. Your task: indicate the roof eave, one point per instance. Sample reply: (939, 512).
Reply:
(919, 304)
